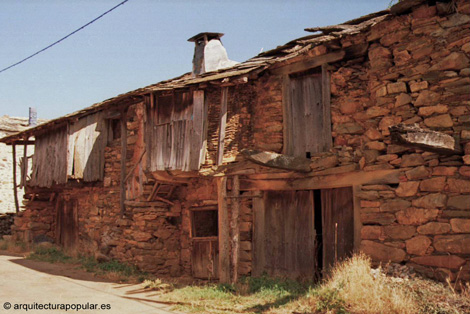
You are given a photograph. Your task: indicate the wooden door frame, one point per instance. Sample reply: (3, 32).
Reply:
(195, 239)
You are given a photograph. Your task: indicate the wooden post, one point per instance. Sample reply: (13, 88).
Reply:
(222, 125)
(123, 125)
(15, 192)
(235, 226)
(326, 95)
(224, 231)
(25, 163)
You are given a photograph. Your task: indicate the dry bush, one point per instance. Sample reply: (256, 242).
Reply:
(366, 292)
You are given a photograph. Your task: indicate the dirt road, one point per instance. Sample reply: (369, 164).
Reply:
(29, 285)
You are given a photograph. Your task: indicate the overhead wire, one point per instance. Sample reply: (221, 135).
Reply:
(63, 38)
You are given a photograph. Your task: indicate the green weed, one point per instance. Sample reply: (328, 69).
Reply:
(51, 255)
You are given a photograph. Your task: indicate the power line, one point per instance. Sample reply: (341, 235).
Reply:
(63, 38)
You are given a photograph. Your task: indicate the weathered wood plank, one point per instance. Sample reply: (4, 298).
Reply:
(222, 126)
(284, 235)
(170, 132)
(204, 258)
(50, 159)
(198, 148)
(338, 225)
(224, 234)
(87, 139)
(310, 116)
(391, 176)
(259, 236)
(309, 63)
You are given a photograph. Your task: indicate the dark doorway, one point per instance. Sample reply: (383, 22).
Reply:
(67, 224)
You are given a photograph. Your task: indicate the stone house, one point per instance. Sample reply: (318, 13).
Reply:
(355, 137)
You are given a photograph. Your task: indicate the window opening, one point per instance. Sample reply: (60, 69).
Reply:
(205, 223)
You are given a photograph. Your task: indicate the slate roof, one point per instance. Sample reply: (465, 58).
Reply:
(251, 67)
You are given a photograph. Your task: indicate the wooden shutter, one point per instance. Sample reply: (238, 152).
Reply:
(86, 144)
(50, 159)
(175, 131)
(307, 110)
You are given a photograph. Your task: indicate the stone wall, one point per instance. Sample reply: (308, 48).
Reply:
(416, 71)
(267, 115)
(239, 127)
(412, 68)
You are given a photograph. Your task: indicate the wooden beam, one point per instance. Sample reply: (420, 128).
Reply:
(153, 192)
(224, 234)
(15, 192)
(123, 124)
(326, 114)
(147, 204)
(307, 63)
(21, 142)
(198, 142)
(391, 176)
(222, 126)
(167, 178)
(235, 202)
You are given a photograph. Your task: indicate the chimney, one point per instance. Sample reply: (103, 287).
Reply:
(209, 53)
(33, 117)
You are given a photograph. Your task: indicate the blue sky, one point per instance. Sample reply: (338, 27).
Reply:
(138, 44)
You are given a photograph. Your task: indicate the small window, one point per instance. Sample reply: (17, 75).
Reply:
(204, 222)
(114, 130)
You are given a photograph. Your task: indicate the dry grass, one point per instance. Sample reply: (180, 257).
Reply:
(353, 288)
(365, 292)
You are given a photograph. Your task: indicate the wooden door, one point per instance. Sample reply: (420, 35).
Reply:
(205, 258)
(284, 235)
(338, 225)
(205, 246)
(67, 224)
(309, 116)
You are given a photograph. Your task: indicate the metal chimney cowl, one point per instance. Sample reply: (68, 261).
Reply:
(33, 117)
(209, 53)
